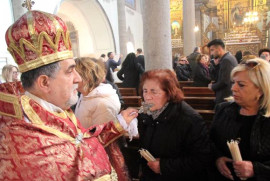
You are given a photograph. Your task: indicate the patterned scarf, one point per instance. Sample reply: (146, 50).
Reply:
(156, 113)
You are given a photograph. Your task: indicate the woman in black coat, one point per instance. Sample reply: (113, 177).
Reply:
(248, 120)
(202, 74)
(183, 69)
(172, 131)
(130, 71)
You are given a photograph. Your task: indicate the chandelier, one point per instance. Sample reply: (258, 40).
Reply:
(251, 17)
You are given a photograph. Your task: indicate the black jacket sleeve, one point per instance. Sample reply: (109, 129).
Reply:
(200, 74)
(224, 78)
(181, 75)
(114, 63)
(139, 68)
(120, 73)
(218, 111)
(262, 170)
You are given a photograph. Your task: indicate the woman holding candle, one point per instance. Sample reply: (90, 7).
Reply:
(172, 131)
(247, 120)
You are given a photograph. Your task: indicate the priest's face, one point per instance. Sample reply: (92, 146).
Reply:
(63, 86)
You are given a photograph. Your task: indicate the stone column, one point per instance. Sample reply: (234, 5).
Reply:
(122, 27)
(157, 34)
(188, 26)
(264, 28)
(17, 9)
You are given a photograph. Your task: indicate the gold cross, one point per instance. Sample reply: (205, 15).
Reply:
(28, 4)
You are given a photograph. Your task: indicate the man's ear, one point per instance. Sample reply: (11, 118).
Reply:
(43, 83)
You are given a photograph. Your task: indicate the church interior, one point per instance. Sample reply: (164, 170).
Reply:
(100, 26)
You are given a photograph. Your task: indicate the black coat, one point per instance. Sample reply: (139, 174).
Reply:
(140, 60)
(226, 127)
(214, 69)
(192, 58)
(183, 72)
(223, 85)
(202, 76)
(179, 138)
(130, 76)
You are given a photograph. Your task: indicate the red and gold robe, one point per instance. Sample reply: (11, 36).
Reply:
(53, 146)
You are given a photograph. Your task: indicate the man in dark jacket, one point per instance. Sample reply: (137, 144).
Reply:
(140, 57)
(111, 65)
(227, 62)
(192, 59)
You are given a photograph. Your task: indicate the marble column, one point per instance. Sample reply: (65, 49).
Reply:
(264, 17)
(188, 26)
(157, 34)
(17, 9)
(122, 27)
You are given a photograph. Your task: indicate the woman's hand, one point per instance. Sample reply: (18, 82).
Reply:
(129, 114)
(222, 167)
(155, 166)
(243, 169)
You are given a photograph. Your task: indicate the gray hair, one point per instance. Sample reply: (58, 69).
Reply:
(28, 78)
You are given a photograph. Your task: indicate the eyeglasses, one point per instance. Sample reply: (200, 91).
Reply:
(251, 64)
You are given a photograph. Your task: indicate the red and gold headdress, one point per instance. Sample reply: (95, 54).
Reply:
(38, 38)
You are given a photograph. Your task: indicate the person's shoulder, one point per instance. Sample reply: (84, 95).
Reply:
(188, 117)
(186, 109)
(186, 112)
(226, 106)
(228, 56)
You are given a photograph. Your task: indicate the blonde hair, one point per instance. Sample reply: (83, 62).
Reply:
(260, 76)
(182, 57)
(7, 72)
(92, 73)
(199, 57)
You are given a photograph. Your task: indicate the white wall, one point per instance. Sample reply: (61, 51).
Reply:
(94, 31)
(110, 8)
(134, 22)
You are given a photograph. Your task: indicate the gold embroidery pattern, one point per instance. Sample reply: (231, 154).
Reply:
(14, 100)
(37, 45)
(7, 165)
(104, 178)
(32, 115)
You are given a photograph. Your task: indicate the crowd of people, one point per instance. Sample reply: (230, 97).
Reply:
(42, 139)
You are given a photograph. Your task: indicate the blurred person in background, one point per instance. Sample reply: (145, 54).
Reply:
(265, 54)
(10, 73)
(202, 74)
(227, 62)
(183, 70)
(130, 72)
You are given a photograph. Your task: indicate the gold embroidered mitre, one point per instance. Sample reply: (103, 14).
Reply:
(38, 38)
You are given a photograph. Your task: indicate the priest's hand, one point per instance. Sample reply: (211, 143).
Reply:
(155, 166)
(129, 114)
